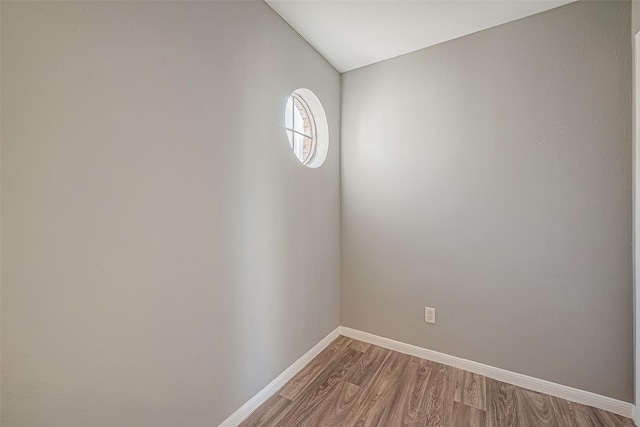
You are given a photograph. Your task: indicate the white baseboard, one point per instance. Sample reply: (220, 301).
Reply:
(569, 393)
(245, 410)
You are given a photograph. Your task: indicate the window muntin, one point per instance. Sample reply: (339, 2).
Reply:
(301, 129)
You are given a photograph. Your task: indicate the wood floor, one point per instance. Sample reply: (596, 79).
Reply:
(352, 383)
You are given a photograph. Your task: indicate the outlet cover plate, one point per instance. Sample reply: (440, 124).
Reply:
(430, 315)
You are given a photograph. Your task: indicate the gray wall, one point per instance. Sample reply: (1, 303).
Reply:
(635, 17)
(635, 27)
(164, 253)
(490, 177)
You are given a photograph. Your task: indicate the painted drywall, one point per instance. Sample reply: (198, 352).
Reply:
(352, 34)
(635, 17)
(636, 218)
(164, 254)
(635, 28)
(490, 177)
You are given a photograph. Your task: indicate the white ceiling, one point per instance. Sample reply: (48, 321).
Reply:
(354, 33)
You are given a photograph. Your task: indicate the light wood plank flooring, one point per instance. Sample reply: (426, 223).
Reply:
(352, 383)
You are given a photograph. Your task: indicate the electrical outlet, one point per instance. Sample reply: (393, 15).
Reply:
(430, 315)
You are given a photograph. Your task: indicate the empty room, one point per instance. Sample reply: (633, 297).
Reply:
(319, 213)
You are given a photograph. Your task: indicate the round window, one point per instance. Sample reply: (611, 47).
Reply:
(306, 125)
